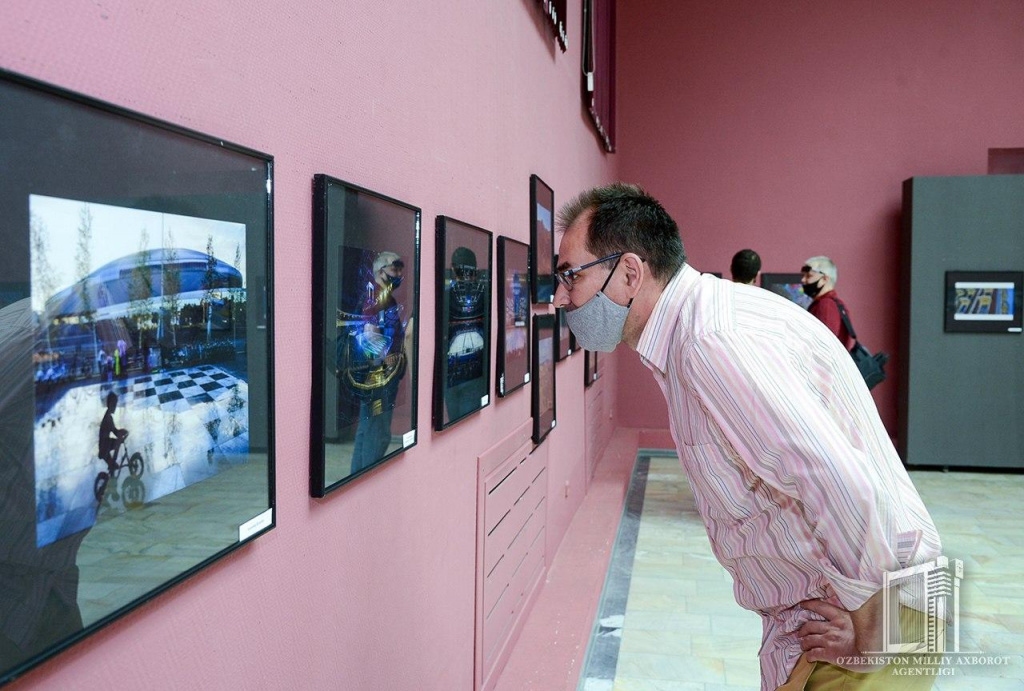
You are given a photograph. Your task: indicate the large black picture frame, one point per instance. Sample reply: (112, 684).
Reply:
(365, 331)
(984, 302)
(542, 241)
(786, 285)
(462, 360)
(513, 359)
(544, 399)
(136, 285)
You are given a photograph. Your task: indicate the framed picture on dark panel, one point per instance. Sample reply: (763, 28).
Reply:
(366, 260)
(542, 241)
(788, 286)
(544, 337)
(564, 346)
(136, 361)
(513, 316)
(462, 364)
(983, 301)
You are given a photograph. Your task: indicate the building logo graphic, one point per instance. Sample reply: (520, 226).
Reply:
(921, 608)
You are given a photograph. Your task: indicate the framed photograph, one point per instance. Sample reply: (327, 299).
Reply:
(542, 241)
(136, 362)
(788, 286)
(513, 316)
(462, 364)
(983, 301)
(544, 338)
(590, 373)
(566, 344)
(366, 271)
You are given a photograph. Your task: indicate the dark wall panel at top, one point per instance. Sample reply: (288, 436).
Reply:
(962, 395)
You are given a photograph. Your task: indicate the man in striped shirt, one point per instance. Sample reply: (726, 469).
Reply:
(803, 496)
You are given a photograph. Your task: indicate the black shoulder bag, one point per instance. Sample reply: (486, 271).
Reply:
(872, 367)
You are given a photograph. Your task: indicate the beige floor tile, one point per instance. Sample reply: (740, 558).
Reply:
(743, 672)
(631, 684)
(656, 641)
(671, 667)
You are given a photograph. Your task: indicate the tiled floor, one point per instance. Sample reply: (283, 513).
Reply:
(682, 630)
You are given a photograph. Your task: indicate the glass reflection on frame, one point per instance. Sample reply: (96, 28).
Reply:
(462, 363)
(513, 316)
(136, 361)
(366, 333)
(542, 241)
(544, 336)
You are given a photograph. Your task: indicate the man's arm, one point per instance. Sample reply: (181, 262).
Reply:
(844, 636)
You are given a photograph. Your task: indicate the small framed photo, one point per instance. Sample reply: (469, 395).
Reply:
(513, 316)
(462, 363)
(544, 337)
(788, 286)
(136, 362)
(366, 266)
(542, 241)
(566, 344)
(590, 373)
(983, 301)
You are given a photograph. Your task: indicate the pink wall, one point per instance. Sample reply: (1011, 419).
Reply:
(789, 127)
(449, 106)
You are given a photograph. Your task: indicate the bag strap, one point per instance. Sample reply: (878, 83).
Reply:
(845, 317)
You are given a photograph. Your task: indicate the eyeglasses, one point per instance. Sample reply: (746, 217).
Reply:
(568, 277)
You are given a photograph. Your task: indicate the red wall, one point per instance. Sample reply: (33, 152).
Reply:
(789, 127)
(449, 106)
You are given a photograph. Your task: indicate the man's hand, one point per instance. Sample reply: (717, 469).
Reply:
(833, 639)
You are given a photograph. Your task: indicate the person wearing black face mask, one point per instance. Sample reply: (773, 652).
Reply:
(819, 276)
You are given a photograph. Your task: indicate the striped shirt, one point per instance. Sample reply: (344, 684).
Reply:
(800, 489)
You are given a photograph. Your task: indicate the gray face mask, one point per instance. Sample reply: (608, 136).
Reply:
(598, 323)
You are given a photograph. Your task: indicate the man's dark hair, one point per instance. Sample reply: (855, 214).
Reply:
(745, 265)
(111, 399)
(627, 219)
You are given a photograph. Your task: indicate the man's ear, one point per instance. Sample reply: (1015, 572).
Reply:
(634, 273)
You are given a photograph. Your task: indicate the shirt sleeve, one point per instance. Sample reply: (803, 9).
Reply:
(827, 311)
(790, 435)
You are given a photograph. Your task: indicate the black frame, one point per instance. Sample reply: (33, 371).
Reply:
(1012, 326)
(590, 373)
(103, 171)
(505, 247)
(444, 225)
(320, 486)
(565, 343)
(771, 281)
(541, 287)
(543, 325)
(555, 12)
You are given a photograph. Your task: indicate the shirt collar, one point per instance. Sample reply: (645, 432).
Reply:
(657, 334)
